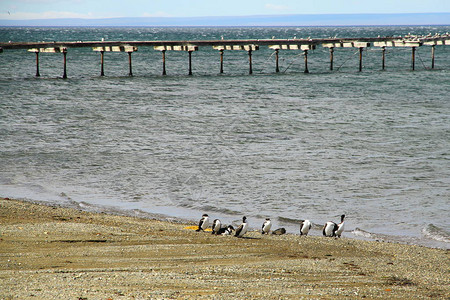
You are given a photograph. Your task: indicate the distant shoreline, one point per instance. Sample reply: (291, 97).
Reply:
(312, 20)
(214, 26)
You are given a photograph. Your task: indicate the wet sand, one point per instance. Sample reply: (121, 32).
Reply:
(49, 252)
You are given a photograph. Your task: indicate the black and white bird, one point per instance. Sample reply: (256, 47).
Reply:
(227, 230)
(341, 227)
(305, 226)
(266, 226)
(331, 229)
(216, 226)
(242, 229)
(204, 223)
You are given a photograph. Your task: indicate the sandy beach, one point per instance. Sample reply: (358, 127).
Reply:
(50, 252)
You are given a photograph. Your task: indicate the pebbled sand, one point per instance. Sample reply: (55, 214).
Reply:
(58, 253)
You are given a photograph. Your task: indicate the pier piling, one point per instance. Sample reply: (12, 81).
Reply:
(331, 58)
(360, 58)
(102, 62)
(190, 63)
(383, 58)
(221, 61)
(62, 50)
(277, 67)
(250, 71)
(164, 62)
(164, 48)
(413, 58)
(65, 64)
(331, 47)
(432, 56)
(305, 54)
(37, 64)
(122, 48)
(129, 63)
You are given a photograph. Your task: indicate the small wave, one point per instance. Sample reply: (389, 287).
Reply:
(289, 220)
(297, 222)
(221, 210)
(83, 204)
(434, 237)
(382, 237)
(362, 233)
(435, 233)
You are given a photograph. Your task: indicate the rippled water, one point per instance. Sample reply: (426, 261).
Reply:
(373, 145)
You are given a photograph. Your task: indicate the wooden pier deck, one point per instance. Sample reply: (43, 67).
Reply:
(397, 42)
(249, 45)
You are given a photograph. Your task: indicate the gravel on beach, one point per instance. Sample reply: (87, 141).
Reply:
(51, 252)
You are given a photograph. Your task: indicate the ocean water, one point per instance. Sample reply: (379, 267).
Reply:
(374, 145)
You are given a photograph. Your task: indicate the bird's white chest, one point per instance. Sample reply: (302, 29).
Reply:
(205, 223)
(244, 229)
(217, 226)
(340, 228)
(305, 227)
(267, 226)
(329, 228)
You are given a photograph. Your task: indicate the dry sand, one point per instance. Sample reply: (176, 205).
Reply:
(49, 252)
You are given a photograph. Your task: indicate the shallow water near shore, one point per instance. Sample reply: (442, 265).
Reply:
(372, 145)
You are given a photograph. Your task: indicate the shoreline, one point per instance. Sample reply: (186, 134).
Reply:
(57, 252)
(357, 233)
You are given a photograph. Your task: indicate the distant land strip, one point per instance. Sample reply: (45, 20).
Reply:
(412, 19)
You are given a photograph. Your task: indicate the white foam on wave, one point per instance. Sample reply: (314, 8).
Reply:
(362, 233)
(435, 233)
(432, 236)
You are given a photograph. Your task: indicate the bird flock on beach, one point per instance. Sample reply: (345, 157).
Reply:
(330, 229)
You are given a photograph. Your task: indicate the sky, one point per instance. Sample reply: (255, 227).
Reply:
(96, 9)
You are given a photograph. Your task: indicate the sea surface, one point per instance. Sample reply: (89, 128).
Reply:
(373, 145)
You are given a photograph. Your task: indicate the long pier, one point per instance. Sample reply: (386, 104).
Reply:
(249, 45)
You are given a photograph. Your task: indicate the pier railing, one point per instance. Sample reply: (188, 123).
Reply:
(249, 45)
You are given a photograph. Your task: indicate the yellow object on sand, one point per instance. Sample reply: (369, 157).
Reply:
(196, 227)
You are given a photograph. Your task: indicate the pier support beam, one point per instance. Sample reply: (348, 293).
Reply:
(383, 45)
(62, 50)
(190, 63)
(349, 44)
(250, 71)
(123, 48)
(413, 58)
(432, 56)
(360, 58)
(331, 47)
(305, 49)
(65, 64)
(130, 73)
(164, 62)
(331, 58)
(164, 48)
(249, 48)
(102, 63)
(277, 67)
(37, 65)
(221, 61)
(305, 55)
